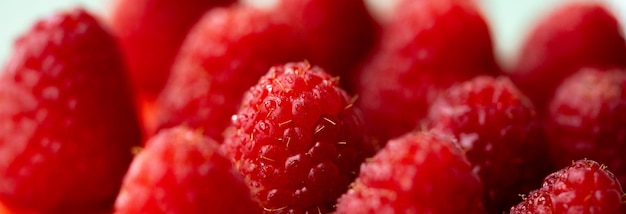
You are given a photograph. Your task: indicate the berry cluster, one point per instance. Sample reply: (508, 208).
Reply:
(312, 106)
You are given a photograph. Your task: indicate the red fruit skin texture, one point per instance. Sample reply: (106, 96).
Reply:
(151, 32)
(4, 209)
(583, 187)
(224, 55)
(181, 171)
(587, 119)
(298, 140)
(68, 122)
(337, 34)
(415, 173)
(12, 210)
(428, 46)
(576, 35)
(501, 135)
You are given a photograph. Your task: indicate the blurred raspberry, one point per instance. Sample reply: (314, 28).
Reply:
(498, 128)
(180, 171)
(225, 54)
(337, 34)
(574, 36)
(67, 118)
(150, 33)
(427, 47)
(415, 173)
(587, 119)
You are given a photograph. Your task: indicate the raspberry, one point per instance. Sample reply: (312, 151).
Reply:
(225, 54)
(427, 47)
(68, 122)
(180, 171)
(584, 187)
(151, 32)
(499, 130)
(576, 35)
(298, 139)
(337, 34)
(586, 119)
(415, 173)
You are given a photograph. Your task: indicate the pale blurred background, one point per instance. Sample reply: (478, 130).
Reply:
(509, 19)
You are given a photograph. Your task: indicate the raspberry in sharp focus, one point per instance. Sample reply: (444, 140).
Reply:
(181, 171)
(428, 46)
(298, 139)
(498, 128)
(67, 119)
(587, 119)
(584, 187)
(415, 173)
(578, 34)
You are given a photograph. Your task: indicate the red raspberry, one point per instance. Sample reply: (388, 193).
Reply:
(180, 171)
(151, 32)
(338, 34)
(415, 173)
(576, 35)
(298, 140)
(499, 130)
(584, 187)
(587, 119)
(430, 45)
(68, 122)
(224, 55)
